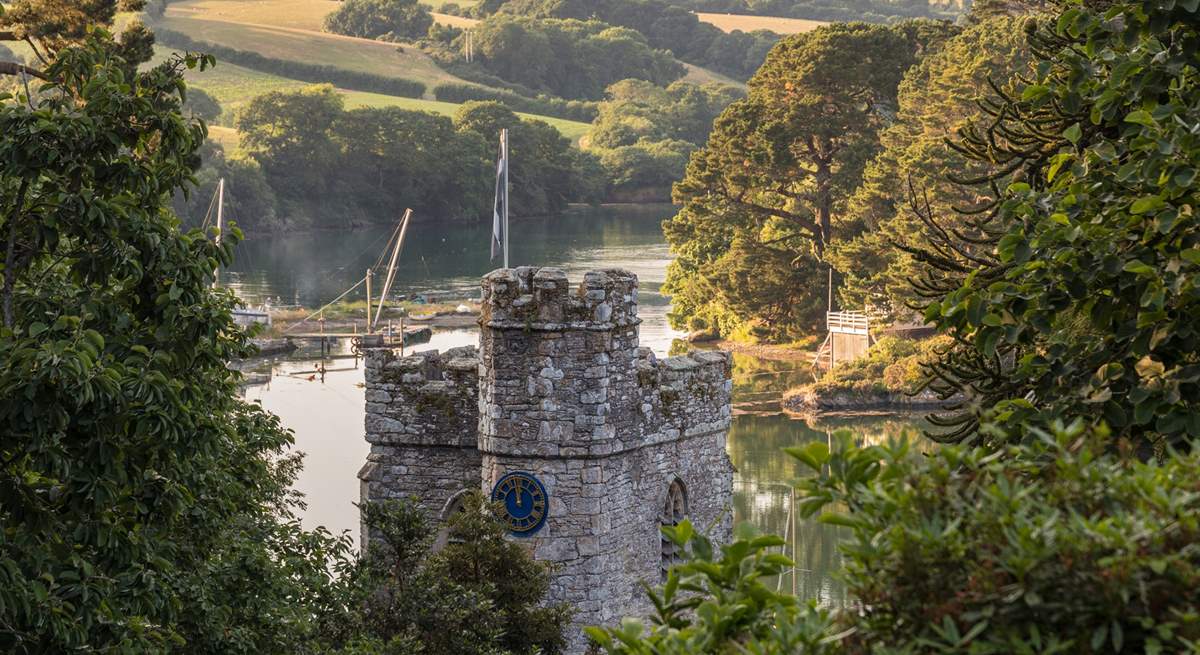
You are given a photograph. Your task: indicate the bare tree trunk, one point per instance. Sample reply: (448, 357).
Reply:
(13, 68)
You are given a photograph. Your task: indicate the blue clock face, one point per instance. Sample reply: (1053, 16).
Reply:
(524, 500)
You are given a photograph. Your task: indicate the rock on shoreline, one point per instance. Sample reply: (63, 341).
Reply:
(810, 401)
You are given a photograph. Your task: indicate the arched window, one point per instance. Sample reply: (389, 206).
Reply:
(674, 510)
(453, 506)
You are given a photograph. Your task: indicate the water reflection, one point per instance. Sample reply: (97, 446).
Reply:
(314, 267)
(763, 490)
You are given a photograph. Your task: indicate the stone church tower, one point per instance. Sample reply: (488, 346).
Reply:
(559, 405)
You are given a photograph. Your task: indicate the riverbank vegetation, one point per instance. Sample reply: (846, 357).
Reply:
(891, 376)
(304, 156)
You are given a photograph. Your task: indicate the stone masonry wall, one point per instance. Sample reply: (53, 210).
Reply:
(559, 388)
(422, 420)
(566, 392)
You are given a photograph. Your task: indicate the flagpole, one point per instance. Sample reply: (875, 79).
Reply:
(504, 145)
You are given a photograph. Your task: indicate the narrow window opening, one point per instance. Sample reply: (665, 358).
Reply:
(674, 510)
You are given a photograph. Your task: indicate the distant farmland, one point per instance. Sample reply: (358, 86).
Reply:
(302, 14)
(731, 22)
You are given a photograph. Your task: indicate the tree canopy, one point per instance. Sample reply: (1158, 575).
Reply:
(387, 20)
(568, 58)
(937, 97)
(766, 195)
(664, 25)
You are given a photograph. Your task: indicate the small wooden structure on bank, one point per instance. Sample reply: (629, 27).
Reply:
(849, 337)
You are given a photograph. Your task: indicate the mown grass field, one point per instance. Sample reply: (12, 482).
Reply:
(698, 75)
(365, 55)
(234, 86)
(731, 22)
(299, 14)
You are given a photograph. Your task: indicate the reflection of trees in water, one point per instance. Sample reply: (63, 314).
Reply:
(443, 256)
(762, 489)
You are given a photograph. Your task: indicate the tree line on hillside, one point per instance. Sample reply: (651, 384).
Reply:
(386, 20)
(873, 11)
(664, 25)
(308, 162)
(569, 58)
(644, 134)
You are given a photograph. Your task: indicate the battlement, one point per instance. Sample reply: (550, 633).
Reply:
(542, 299)
(423, 399)
(684, 396)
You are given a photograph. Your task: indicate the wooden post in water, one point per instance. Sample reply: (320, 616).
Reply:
(795, 559)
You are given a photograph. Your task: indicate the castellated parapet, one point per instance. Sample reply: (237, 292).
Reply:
(622, 441)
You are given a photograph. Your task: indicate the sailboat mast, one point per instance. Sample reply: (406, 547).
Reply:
(220, 225)
(504, 146)
(391, 273)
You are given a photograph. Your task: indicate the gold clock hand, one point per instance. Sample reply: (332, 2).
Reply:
(518, 492)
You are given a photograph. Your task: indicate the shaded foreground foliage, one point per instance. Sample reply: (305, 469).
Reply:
(1082, 300)
(477, 593)
(1054, 545)
(143, 504)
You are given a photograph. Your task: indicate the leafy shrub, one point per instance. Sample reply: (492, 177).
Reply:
(646, 164)
(298, 70)
(387, 20)
(1081, 298)
(480, 593)
(544, 105)
(1055, 545)
(891, 365)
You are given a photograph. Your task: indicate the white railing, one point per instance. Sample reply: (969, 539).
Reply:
(847, 323)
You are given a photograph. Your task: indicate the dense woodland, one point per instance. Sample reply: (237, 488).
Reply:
(1024, 182)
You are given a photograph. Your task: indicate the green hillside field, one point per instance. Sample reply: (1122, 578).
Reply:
(233, 86)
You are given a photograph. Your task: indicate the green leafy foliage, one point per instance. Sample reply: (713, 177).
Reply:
(144, 506)
(1085, 305)
(575, 110)
(718, 601)
(1056, 545)
(1046, 547)
(477, 593)
(386, 20)
(201, 105)
(249, 199)
(891, 365)
(359, 165)
(767, 194)
(569, 58)
(634, 110)
(543, 174)
(872, 11)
